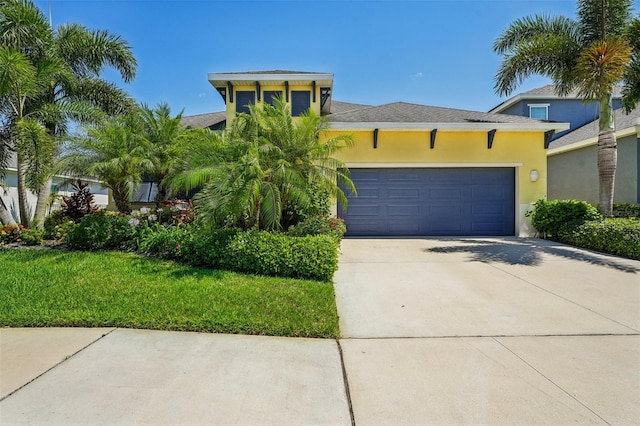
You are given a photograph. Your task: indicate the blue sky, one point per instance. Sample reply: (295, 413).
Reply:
(429, 52)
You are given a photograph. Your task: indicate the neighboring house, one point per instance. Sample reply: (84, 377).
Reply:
(572, 157)
(543, 104)
(61, 187)
(419, 170)
(573, 165)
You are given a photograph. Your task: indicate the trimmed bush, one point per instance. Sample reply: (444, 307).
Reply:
(54, 219)
(318, 225)
(612, 235)
(101, 231)
(264, 253)
(253, 251)
(31, 237)
(549, 217)
(626, 210)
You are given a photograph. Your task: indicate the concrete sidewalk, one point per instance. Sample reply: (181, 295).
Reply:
(435, 331)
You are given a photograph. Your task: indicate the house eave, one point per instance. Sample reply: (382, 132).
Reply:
(221, 79)
(515, 127)
(629, 131)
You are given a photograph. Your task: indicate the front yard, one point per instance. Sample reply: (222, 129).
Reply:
(47, 288)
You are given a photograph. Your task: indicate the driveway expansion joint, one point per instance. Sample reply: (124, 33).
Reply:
(65, 359)
(346, 384)
(551, 381)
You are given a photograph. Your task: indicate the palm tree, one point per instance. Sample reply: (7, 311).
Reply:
(164, 134)
(75, 93)
(115, 152)
(592, 55)
(20, 83)
(264, 163)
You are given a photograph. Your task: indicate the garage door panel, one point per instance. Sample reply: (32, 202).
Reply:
(437, 201)
(403, 210)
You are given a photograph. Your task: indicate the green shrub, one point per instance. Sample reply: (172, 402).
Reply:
(253, 251)
(31, 237)
(549, 217)
(265, 253)
(61, 231)
(617, 236)
(10, 233)
(54, 219)
(101, 230)
(626, 210)
(318, 225)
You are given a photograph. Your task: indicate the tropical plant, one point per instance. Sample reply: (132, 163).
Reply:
(164, 133)
(592, 55)
(114, 152)
(263, 163)
(72, 59)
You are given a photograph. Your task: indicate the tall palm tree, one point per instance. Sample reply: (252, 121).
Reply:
(75, 94)
(592, 55)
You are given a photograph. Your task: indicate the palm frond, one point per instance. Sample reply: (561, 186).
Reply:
(600, 19)
(601, 66)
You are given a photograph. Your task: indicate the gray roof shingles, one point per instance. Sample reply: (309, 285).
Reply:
(590, 130)
(204, 120)
(402, 112)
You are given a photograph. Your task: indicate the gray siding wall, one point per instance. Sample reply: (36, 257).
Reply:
(572, 111)
(574, 174)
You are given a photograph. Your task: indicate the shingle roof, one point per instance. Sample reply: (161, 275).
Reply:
(541, 93)
(402, 112)
(338, 107)
(590, 130)
(204, 120)
(549, 90)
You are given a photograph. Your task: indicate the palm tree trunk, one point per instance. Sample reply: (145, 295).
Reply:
(44, 196)
(23, 202)
(607, 156)
(5, 215)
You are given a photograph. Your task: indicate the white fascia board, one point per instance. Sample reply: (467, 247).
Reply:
(223, 78)
(593, 141)
(516, 127)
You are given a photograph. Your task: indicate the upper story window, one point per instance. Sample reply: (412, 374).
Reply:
(300, 102)
(244, 99)
(269, 96)
(539, 111)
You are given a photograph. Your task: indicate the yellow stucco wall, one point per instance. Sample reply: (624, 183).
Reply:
(231, 106)
(522, 150)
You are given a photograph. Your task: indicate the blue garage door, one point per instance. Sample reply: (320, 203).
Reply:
(424, 202)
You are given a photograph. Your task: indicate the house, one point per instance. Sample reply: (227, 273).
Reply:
(543, 103)
(572, 161)
(419, 170)
(572, 157)
(61, 187)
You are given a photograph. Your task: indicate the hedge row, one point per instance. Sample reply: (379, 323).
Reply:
(253, 251)
(612, 235)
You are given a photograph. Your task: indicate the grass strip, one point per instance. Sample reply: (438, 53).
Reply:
(47, 288)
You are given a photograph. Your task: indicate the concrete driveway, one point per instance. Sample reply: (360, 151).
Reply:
(468, 331)
(435, 331)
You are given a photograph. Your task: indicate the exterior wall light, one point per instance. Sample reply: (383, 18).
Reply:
(533, 175)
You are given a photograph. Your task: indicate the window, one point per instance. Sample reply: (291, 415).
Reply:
(243, 100)
(539, 111)
(300, 102)
(269, 96)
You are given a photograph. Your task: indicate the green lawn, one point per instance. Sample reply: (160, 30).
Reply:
(40, 288)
